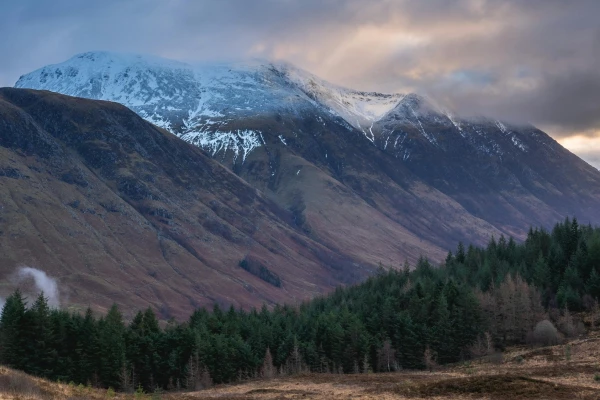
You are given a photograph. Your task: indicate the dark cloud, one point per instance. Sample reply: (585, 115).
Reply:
(534, 60)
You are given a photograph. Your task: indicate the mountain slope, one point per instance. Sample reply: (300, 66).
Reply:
(362, 173)
(493, 169)
(120, 210)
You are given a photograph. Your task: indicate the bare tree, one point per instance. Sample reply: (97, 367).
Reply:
(386, 357)
(567, 324)
(268, 370)
(205, 379)
(429, 358)
(294, 363)
(594, 314)
(191, 378)
(126, 380)
(366, 365)
(512, 309)
(356, 368)
(483, 346)
(489, 343)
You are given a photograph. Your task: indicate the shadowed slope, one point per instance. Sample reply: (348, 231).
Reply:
(120, 210)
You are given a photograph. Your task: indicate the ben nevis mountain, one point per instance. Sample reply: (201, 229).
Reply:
(287, 186)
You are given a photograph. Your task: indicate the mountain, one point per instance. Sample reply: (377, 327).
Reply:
(373, 177)
(120, 210)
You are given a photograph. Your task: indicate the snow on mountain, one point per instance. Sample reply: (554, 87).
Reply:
(196, 102)
(240, 142)
(154, 87)
(193, 102)
(360, 109)
(204, 104)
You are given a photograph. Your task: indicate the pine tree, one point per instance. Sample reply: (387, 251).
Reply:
(40, 339)
(460, 253)
(87, 350)
(442, 339)
(111, 343)
(593, 284)
(12, 328)
(141, 348)
(541, 272)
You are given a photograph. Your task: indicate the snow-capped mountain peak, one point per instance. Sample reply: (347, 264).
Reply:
(197, 102)
(223, 108)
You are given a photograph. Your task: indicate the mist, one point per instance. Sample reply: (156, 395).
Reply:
(42, 283)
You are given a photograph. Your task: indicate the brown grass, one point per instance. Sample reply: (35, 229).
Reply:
(493, 387)
(525, 373)
(18, 384)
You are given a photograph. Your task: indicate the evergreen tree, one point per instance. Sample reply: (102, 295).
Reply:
(541, 272)
(111, 343)
(397, 318)
(593, 284)
(39, 351)
(460, 253)
(13, 349)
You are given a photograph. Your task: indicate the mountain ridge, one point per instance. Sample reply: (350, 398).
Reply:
(136, 81)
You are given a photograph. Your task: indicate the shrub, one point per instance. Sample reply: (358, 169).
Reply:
(157, 394)
(139, 393)
(545, 334)
(80, 389)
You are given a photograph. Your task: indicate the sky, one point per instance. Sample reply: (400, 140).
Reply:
(534, 61)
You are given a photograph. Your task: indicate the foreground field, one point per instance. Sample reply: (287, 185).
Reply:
(569, 371)
(559, 372)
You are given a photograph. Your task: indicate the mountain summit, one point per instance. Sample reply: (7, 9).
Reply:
(195, 102)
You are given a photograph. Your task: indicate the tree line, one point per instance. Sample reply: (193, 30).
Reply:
(478, 300)
(562, 264)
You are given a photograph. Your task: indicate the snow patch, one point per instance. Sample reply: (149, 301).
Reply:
(515, 140)
(427, 136)
(455, 123)
(239, 142)
(501, 126)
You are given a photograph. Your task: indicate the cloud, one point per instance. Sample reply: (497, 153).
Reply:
(586, 145)
(535, 60)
